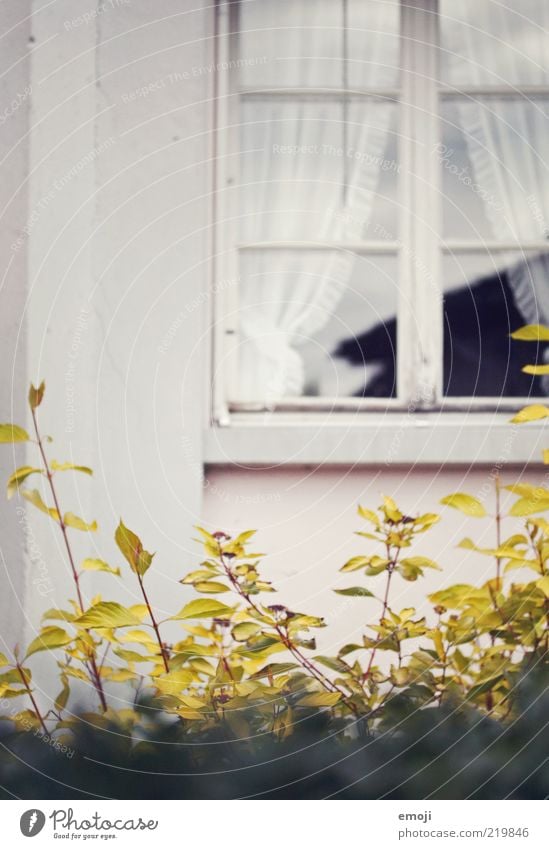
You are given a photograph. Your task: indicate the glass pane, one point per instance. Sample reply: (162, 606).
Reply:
(486, 42)
(316, 323)
(318, 170)
(486, 299)
(495, 175)
(373, 44)
(301, 43)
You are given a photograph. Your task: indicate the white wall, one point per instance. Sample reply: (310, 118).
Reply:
(306, 521)
(15, 46)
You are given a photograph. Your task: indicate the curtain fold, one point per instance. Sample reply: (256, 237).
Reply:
(506, 138)
(310, 170)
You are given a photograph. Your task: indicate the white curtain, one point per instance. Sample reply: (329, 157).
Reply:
(507, 137)
(298, 154)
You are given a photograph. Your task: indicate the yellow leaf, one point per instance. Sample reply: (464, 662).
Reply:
(51, 637)
(91, 564)
(465, 504)
(529, 506)
(210, 587)
(107, 614)
(532, 333)
(532, 413)
(65, 467)
(320, 700)
(73, 521)
(546, 456)
(34, 497)
(244, 630)
(369, 515)
(17, 478)
(203, 608)
(13, 433)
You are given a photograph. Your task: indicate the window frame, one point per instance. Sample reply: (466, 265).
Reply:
(419, 364)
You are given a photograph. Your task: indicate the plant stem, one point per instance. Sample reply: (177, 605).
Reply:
(390, 570)
(286, 640)
(154, 624)
(95, 676)
(498, 529)
(30, 695)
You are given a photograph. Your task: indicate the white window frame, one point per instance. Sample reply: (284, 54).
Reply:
(256, 430)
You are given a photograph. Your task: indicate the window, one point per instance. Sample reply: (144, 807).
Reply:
(382, 203)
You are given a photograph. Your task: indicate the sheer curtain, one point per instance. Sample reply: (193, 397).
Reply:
(507, 136)
(310, 169)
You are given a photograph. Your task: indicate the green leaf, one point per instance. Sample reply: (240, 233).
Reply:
(17, 478)
(107, 614)
(3, 659)
(543, 585)
(465, 504)
(36, 395)
(50, 637)
(132, 548)
(203, 608)
(91, 564)
(244, 630)
(532, 333)
(210, 587)
(73, 521)
(355, 591)
(13, 433)
(65, 467)
(34, 497)
(333, 663)
(320, 700)
(532, 413)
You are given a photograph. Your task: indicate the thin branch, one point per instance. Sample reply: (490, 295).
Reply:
(95, 676)
(163, 653)
(30, 695)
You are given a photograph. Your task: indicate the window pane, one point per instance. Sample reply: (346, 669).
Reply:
(495, 174)
(488, 42)
(317, 169)
(316, 323)
(486, 298)
(301, 43)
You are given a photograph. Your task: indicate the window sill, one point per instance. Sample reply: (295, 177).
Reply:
(389, 439)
